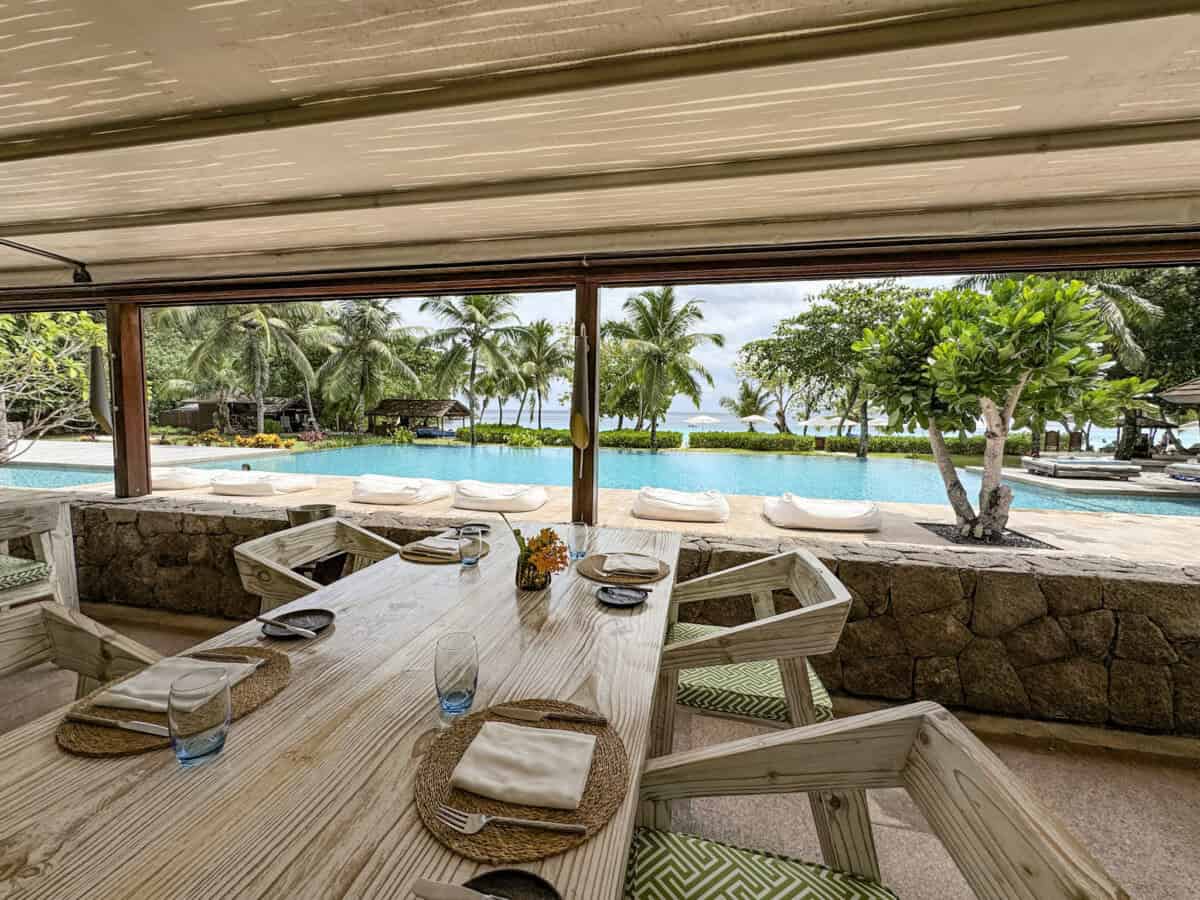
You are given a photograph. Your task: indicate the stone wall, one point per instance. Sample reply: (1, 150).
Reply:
(1044, 635)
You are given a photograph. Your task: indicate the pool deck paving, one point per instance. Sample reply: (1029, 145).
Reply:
(1148, 484)
(98, 454)
(1162, 539)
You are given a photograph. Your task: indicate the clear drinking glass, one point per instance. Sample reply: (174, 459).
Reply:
(470, 545)
(456, 672)
(577, 540)
(199, 710)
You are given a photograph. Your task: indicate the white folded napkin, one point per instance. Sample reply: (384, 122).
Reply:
(446, 545)
(149, 689)
(529, 766)
(629, 564)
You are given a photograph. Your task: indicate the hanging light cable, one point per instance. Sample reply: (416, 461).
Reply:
(80, 275)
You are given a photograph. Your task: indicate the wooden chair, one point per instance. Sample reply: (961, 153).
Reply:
(46, 522)
(49, 632)
(266, 564)
(759, 672)
(1005, 843)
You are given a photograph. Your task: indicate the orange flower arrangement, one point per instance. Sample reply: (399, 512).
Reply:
(544, 551)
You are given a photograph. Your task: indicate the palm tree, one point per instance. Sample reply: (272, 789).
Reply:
(1121, 307)
(751, 400)
(544, 357)
(657, 332)
(250, 335)
(363, 346)
(477, 326)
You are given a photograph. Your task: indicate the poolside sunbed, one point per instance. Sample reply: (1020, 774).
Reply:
(680, 506)
(790, 511)
(1185, 471)
(260, 484)
(180, 478)
(491, 497)
(1079, 467)
(386, 490)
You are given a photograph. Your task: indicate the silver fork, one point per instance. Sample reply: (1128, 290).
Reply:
(472, 823)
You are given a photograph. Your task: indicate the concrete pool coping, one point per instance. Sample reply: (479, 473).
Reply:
(1148, 484)
(1147, 538)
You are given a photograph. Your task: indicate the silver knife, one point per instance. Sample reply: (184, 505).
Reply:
(218, 656)
(440, 890)
(537, 715)
(141, 727)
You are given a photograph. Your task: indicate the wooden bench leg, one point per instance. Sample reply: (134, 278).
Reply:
(662, 738)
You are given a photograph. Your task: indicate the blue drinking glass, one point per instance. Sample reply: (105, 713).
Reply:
(470, 545)
(577, 540)
(456, 673)
(199, 710)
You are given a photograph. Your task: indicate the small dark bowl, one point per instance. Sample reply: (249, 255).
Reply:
(621, 596)
(484, 528)
(313, 619)
(513, 884)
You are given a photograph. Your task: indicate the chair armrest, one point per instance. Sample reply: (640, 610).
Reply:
(83, 645)
(867, 751)
(360, 542)
(811, 631)
(796, 570)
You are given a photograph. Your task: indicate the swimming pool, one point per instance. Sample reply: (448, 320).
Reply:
(882, 478)
(14, 475)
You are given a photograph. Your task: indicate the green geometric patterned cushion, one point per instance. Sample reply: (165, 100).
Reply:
(15, 572)
(667, 866)
(744, 689)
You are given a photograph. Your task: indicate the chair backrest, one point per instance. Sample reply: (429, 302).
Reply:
(51, 572)
(49, 632)
(267, 564)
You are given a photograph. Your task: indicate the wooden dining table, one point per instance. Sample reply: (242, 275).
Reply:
(312, 796)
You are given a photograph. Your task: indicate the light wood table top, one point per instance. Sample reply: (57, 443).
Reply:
(312, 796)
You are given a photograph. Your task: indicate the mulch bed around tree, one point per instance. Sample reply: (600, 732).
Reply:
(1007, 539)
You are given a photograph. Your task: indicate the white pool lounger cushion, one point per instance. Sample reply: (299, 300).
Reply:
(388, 490)
(680, 506)
(178, 478)
(260, 484)
(492, 497)
(790, 511)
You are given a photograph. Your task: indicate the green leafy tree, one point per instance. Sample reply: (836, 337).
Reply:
(1129, 396)
(251, 334)
(544, 356)
(959, 354)
(44, 375)
(750, 400)
(782, 364)
(364, 355)
(477, 327)
(619, 397)
(658, 335)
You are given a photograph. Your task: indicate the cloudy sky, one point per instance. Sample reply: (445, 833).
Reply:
(741, 312)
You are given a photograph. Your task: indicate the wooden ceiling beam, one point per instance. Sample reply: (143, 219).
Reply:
(1113, 136)
(975, 22)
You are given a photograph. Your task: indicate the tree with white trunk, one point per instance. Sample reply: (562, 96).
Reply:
(960, 355)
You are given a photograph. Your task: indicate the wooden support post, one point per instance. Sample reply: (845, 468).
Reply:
(131, 426)
(585, 495)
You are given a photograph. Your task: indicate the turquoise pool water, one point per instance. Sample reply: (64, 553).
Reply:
(881, 478)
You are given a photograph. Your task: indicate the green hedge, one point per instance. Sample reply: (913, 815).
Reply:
(560, 437)
(1016, 445)
(749, 440)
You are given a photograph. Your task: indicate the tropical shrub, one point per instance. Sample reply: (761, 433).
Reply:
(521, 438)
(272, 426)
(973, 445)
(560, 437)
(210, 438)
(749, 440)
(312, 437)
(402, 435)
(630, 439)
(265, 442)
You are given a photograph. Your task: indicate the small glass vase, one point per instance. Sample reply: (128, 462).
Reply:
(529, 578)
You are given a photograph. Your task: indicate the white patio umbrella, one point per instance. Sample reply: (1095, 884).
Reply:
(703, 420)
(755, 420)
(818, 422)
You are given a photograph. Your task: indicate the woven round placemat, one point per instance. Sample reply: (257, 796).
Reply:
(590, 568)
(607, 784)
(431, 561)
(96, 740)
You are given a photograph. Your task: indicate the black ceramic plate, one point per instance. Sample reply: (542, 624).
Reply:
(313, 619)
(614, 595)
(484, 528)
(513, 884)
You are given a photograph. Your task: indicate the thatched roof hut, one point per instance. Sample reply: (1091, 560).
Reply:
(410, 411)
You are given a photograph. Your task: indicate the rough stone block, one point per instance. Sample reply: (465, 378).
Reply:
(990, 682)
(889, 677)
(152, 522)
(1040, 641)
(937, 679)
(1140, 695)
(869, 638)
(197, 523)
(829, 670)
(1140, 639)
(939, 633)
(727, 555)
(118, 515)
(920, 589)
(1005, 601)
(1075, 689)
(1092, 632)
(1173, 605)
(1069, 595)
(1186, 680)
(869, 584)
